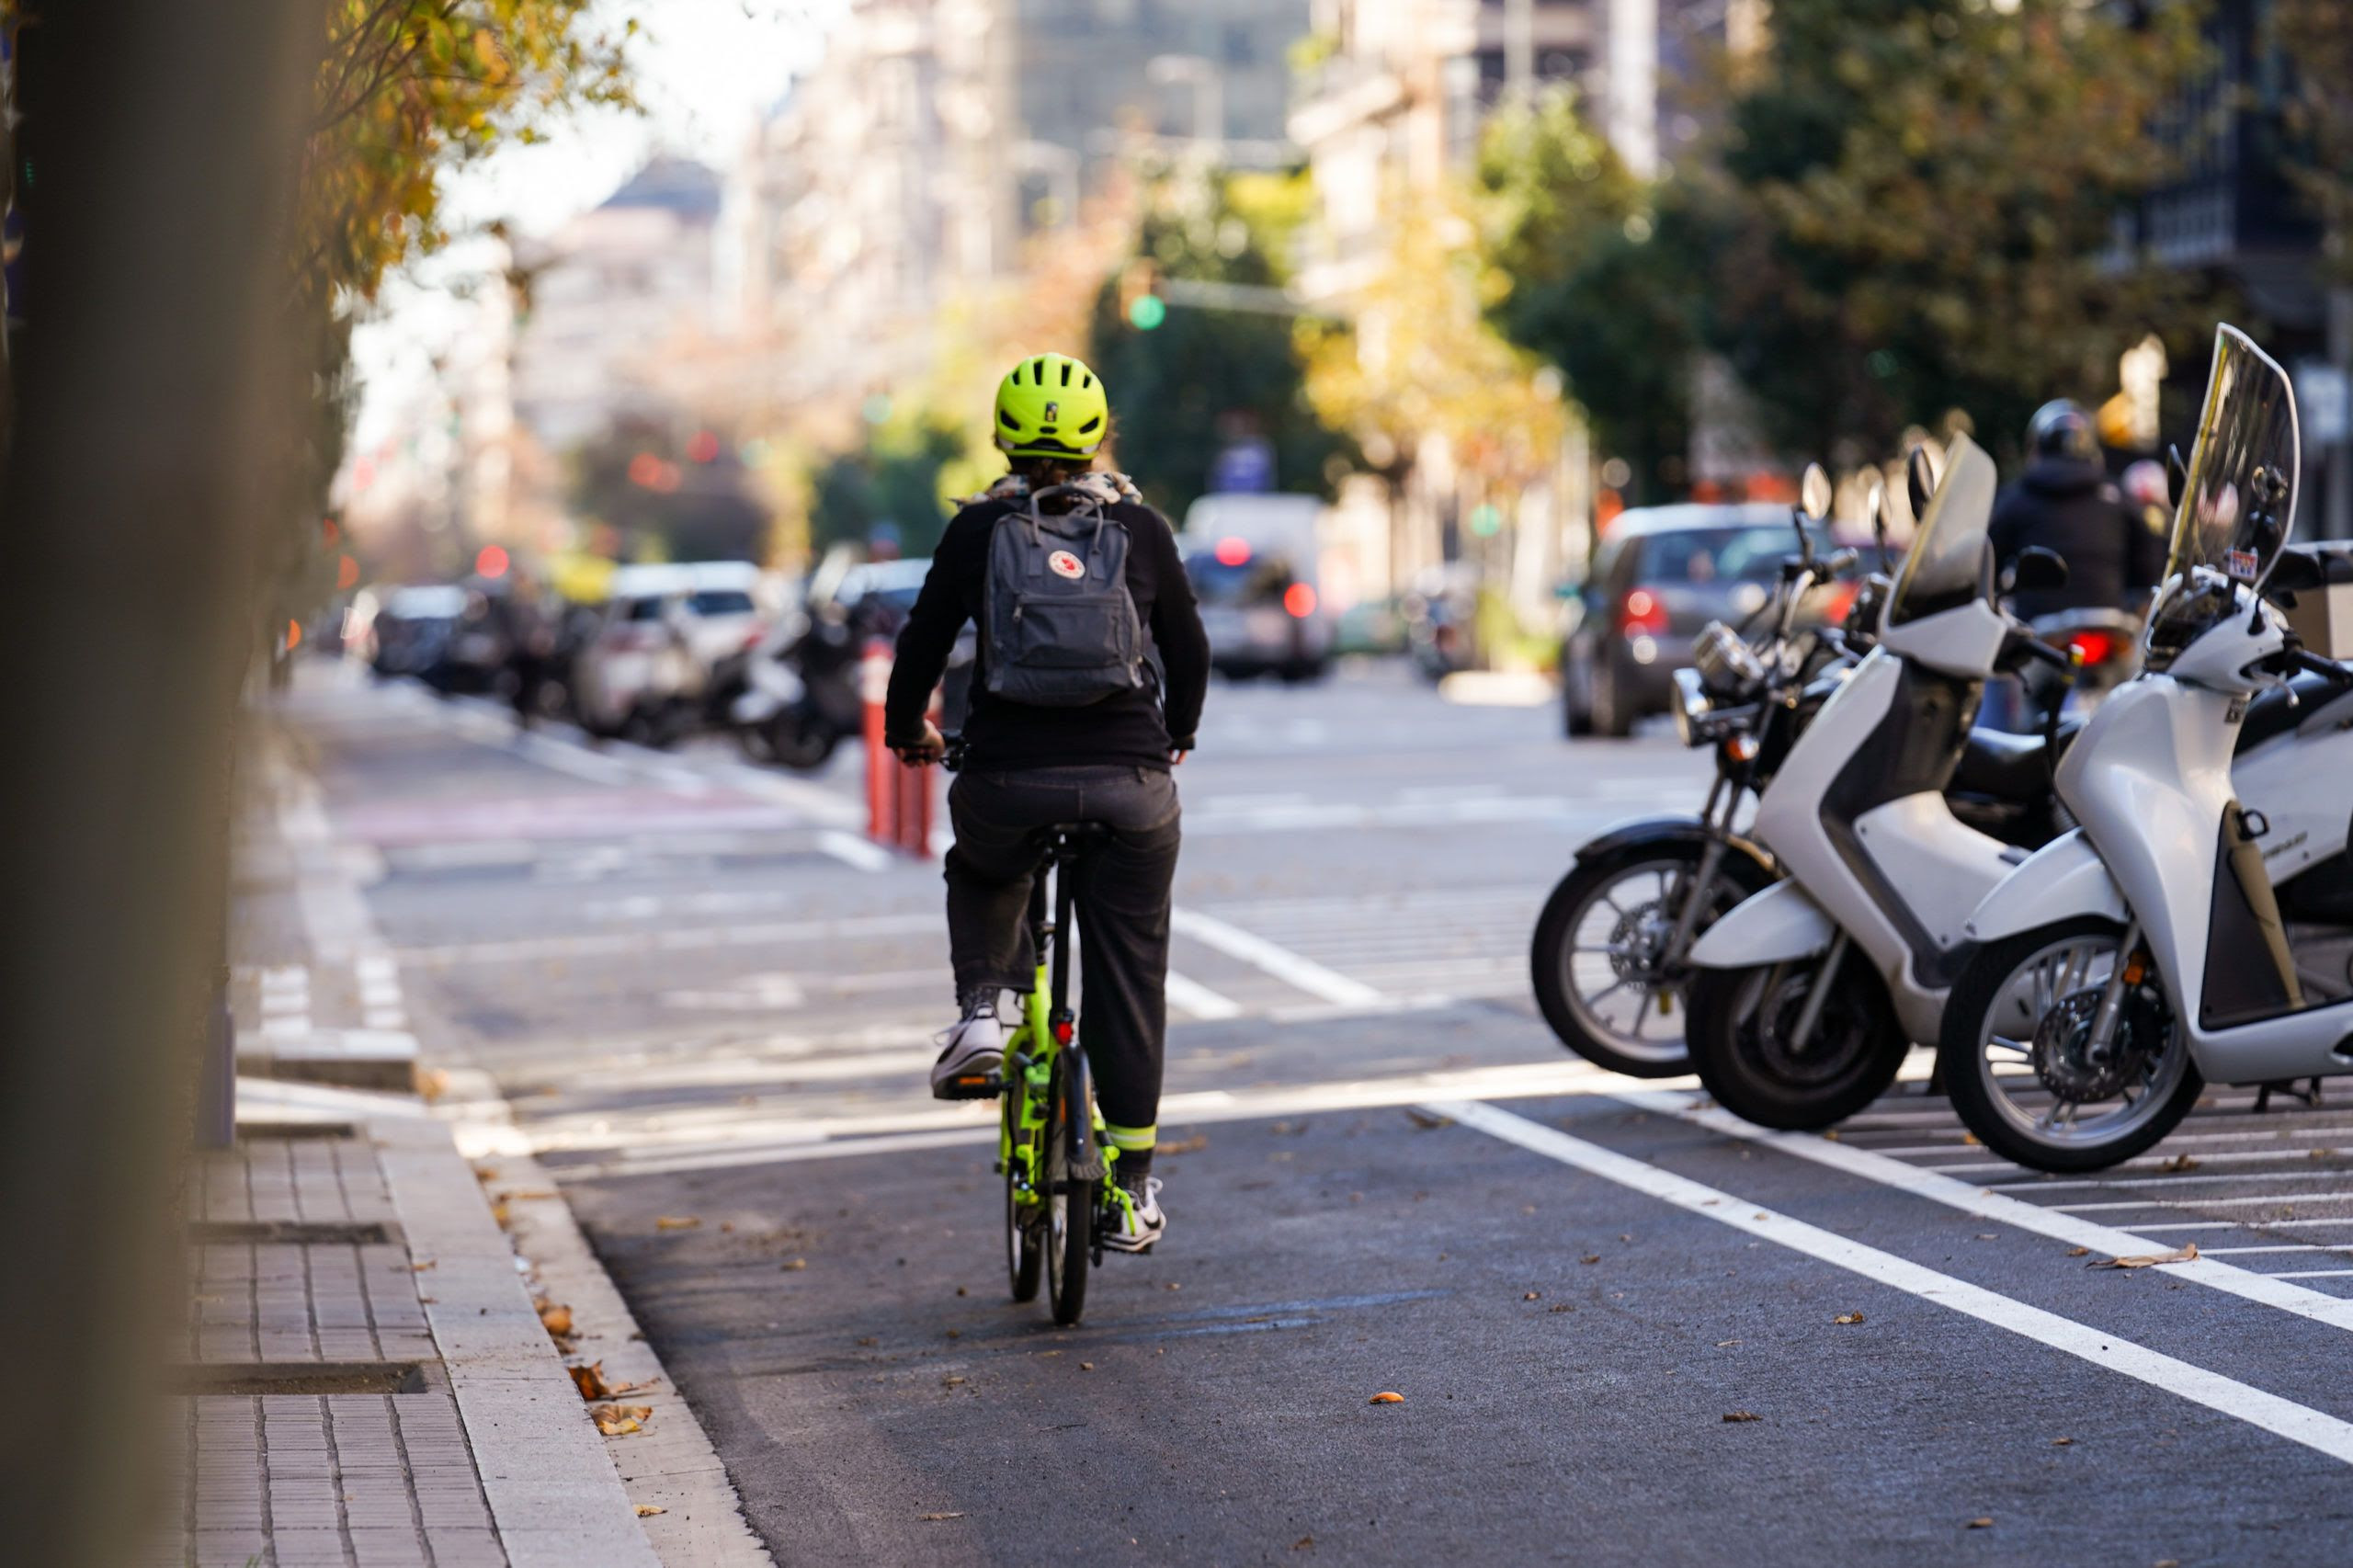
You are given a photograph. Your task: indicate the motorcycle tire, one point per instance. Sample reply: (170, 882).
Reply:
(1551, 959)
(800, 742)
(1857, 1048)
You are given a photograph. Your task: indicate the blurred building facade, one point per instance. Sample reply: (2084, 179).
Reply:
(938, 138)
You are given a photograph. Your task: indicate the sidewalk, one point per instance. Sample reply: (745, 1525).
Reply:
(364, 1376)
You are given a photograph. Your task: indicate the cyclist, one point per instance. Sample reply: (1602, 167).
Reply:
(1027, 767)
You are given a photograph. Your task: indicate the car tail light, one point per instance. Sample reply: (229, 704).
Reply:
(1639, 614)
(2092, 647)
(1299, 601)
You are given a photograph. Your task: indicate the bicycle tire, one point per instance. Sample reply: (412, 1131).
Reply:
(1069, 1235)
(1023, 1258)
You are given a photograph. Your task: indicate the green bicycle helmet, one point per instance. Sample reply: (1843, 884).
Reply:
(1050, 405)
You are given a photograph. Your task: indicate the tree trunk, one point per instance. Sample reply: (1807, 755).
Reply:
(147, 389)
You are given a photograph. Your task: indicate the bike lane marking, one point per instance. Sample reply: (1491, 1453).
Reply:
(1290, 968)
(2059, 1224)
(2241, 1402)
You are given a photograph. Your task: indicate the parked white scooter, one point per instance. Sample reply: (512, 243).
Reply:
(2178, 937)
(1807, 996)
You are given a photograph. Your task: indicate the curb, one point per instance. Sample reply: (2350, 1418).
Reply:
(670, 1464)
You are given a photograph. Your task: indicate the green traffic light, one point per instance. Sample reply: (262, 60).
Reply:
(1148, 312)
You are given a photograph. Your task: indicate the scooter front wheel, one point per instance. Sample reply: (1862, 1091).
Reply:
(2019, 1059)
(1743, 1030)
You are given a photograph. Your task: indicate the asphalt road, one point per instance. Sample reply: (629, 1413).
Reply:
(1626, 1329)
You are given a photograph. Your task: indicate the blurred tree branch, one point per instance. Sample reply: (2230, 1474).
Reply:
(2316, 37)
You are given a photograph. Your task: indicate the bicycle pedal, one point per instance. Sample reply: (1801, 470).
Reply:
(970, 1087)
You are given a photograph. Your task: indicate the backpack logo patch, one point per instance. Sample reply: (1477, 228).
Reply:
(1065, 564)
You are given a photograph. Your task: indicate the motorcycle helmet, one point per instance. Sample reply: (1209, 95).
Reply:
(1050, 405)
(2062, 429)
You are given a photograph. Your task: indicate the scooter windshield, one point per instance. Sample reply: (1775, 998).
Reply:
(2240, 501)
(1948, 565)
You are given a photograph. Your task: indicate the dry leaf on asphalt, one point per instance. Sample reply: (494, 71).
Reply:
(1590, 1257)
(2179, 1163)
(2148, 1260)
(1848, 1317)
(1421, 1118)
(421, 1268)
(1192, 1146)
(1742, 1415)
(590, 1381)
(796, 1264)
(1984, 1524)
(1305, 1543)
(951, 1382)
(2061, 1442)
(1972, 1140)
(1086, 1366)
(1386, 1396)
(647, 1510)
(935, 1518)
(2079, 1251)
(555, 1319)
(675, 1222)
(1533, 1296)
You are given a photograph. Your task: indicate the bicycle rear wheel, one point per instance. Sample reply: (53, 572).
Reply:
(1024, 1257)
(1068, 1235)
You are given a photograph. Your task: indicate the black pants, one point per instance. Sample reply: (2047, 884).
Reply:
(1123, 890)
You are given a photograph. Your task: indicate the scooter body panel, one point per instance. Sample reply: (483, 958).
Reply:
(2303, 783)
(1776, 925)
(2064, 880)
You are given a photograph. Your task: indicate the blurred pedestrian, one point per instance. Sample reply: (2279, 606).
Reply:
(1075, 721)
(2066, 503)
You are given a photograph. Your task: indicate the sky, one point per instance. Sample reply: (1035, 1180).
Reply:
(704, 71)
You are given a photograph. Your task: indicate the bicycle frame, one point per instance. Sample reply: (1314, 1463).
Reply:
(1048, 1027)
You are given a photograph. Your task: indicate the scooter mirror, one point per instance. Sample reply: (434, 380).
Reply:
(1815, 493)
(1920, 479)
(2037, 569)
(2296, 572)
(2176, 475)
(1876, 508)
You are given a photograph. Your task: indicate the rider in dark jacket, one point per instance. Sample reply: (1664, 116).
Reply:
(2065, 501)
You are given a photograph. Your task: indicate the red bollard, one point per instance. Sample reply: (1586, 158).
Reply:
(898, 797)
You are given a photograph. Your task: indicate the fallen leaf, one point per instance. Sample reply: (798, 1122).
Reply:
(1725, 1343)
(1984, 1524)
(2179, 1163)
(2320, 1154)
(951, 1382)
(935, 1519)
(421, 1268)
(1192, 1146)
(2148, 1260)
(1559, 1307)
(1972, 1140)
(1086, 1366)
(1742, 1415)
(1174, 1286)
(870, 1339)
(1831, 1135)
(619, 1420)
(533, 1194)
(796, 1264)
(1590, 1257)
(2079, 1251)
(1386, 1397)
(2061, 1442)
(675, 1222)
(1988, 1236)
(647, 1510)
(1848, 1317)
(1533, 1296)
(498, 1212)
(590, 1381)
(1305, 1543)
(556, 1320)
(432, 1083)
(1421, 1118)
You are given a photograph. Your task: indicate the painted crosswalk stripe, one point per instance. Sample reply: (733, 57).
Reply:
(2241, 1402)
(1200, 1000)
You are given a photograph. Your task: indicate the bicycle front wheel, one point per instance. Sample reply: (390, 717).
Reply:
(1069, 1198)
(1023, 1257)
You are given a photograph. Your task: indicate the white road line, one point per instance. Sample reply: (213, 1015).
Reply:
(2228, 1396)
(1200, 1000)
(2315, 1274)
(1288, 967)
(2059, 1225)
(2345, 1197)
(534, 950)
(2100, 1184)
(851, 850)
(2277, 1246)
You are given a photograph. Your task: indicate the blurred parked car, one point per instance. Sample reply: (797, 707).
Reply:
(795, 695)
(403, 629)
(1661, 575)
(1255, 563)
(644, 672)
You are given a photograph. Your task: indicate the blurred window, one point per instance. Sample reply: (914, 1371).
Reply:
(1256, 581)
(1708, 555)
(643, 609)
(720, 601)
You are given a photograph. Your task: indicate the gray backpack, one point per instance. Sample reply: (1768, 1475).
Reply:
(1059, 629)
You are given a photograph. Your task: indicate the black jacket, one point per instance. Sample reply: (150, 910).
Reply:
(1136, 728)
(2071, 507)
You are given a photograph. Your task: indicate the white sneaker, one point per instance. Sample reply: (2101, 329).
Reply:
(1137, 1221)
(971, 1059)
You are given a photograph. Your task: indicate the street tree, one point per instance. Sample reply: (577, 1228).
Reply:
(1191, 378)
(2316, 39)
(1918, 211)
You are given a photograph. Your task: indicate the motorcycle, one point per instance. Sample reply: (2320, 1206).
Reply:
(2180, 937)
(1608, 959)
(796, 696)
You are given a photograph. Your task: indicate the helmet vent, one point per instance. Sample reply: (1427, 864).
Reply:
(1090, 424)
(1066, 372)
